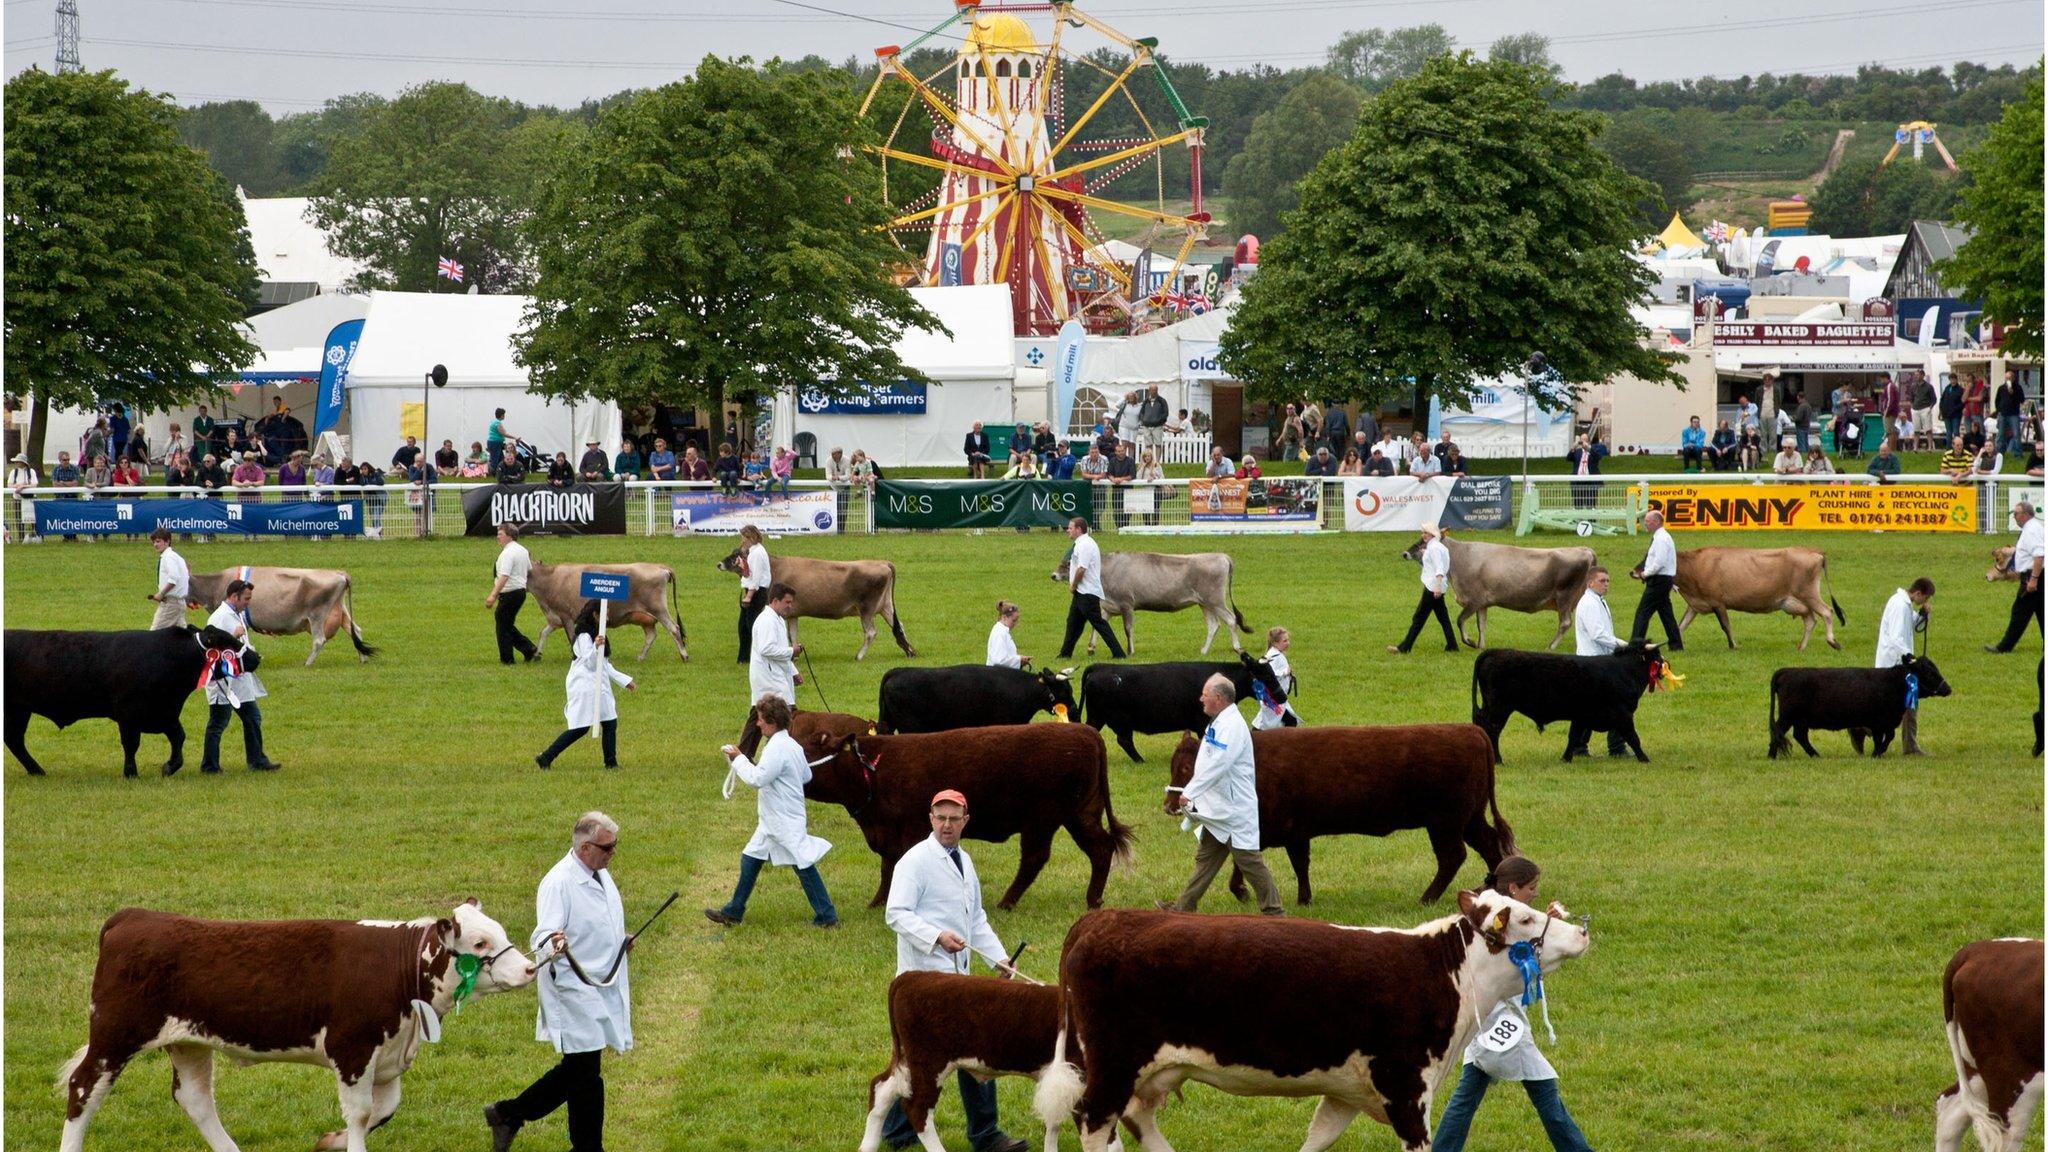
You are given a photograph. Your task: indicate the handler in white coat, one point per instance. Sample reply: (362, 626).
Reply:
(232, 688)
(935, 910)
(174, 582)
(1269, 716)
(589, 687)
(1593, 635)
(782, 832)
(577, 906)
(771, 665)
(1002, 639)
(1222, 798)
(1904, 614)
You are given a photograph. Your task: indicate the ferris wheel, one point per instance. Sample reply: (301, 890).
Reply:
(995, 180)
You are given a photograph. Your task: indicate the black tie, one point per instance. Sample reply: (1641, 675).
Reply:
(953, 854)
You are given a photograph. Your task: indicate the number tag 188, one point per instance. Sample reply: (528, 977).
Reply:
(1503, 1032)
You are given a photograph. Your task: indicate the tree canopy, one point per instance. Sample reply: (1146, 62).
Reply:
(1656, 156)
(1375, 58)
(2001, 263)
(1860, 198)
(1465, 225)
(714, 237)
(128, 262)
(1285, 145)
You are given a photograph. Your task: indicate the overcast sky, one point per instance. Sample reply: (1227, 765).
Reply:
(292, 55)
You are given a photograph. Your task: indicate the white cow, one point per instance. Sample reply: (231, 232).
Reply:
(288, 601)
(1165, 582)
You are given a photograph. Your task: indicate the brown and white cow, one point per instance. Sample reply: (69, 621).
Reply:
(1717, 580)
(1991, 1000)
(1369, 1019)
(1135, 582)
(1487, 576)
(339, 994)
(558, 589)
(288, 601)
(837, 589)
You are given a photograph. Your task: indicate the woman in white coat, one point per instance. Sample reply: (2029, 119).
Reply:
(1270, 715)
(589, 684)
(782, 835)
(1002, 639)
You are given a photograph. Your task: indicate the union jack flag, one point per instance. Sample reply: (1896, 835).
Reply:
(450, 270)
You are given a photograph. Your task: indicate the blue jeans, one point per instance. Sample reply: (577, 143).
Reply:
(822, 912)
(2009, 434)
(1457, 1119)
(978, 1098)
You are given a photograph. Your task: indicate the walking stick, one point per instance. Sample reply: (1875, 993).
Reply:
(819, 688)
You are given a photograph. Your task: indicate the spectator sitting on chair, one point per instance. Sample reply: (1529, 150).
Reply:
(1788, 462)
(661, 463)
(211, 476)
(1721, 451)
(1749, 448)
(1026, 467)
(126, 475)
(2034, 459)
(1849, 434)
(1377, 464)
(322, 475)
(593, 467)
(1248, 468)
(98, 475)
(477, 463)
(1454, 463)
(1105, 437)
(177, 471)
(1045, 446)
(1219, 465)
(1958, 462)
(837, 472)
(248, 477)
(1885, 464)
(975, 446)
(561, 474)
(292, 473)
(1094, 466)
(446, 458)
(1817, 462)
(626, 466)
(1320, 464)
(1974, 438)
(403, 458)
(1352, 465)
(726, 469)
(1692, 446)
(1988, 462)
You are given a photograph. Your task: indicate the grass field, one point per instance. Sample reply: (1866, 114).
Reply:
(1770, 935)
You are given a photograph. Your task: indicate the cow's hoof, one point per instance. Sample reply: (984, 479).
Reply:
(331, 1141)
(128, 771)
(1641, 758)
(171, 767)
(33, 770)
(1006, 905)
(1835, 644)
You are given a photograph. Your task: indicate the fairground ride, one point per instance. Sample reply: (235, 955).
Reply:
(1018, 197)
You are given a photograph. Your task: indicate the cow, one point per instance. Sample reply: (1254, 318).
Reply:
(939, 1022)
(970, 696)
(139, 680)
(1991, 1005)
(287, 601)
(558, 589)
(836, 589)
(1487, 576)
(1023, 780)
(802, 726)
(1369, 1019)
(1156, 698)
(1332, 781)
(1866, 701)
(341, 994)
(1591, 693)
(1167, 582)
(1716, 580)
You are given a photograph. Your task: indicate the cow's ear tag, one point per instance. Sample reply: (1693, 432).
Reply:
(1500, 922)
(430, 1021)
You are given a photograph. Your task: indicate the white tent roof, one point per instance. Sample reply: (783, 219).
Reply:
(1153, 357)
(978, 318)
(407, 333)
(306, 323)
(289, 248)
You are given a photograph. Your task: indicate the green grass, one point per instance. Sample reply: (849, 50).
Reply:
(1770, 935)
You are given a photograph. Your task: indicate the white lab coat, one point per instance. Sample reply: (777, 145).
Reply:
(759, 573)
(1268, 717)
(1523, 1060)
(585, 907)
(2027, 547)
(1085, 566)
(1002, 647)
(1662, 559)
(1223, 793)
(782, 831)
(1436, 566)
(1593, 626)
(589, 684)
(1895, 629)
(171, 569)
(928, 896)
(771, 669)
(237, 690)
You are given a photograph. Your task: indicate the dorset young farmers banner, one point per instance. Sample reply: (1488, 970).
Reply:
(981, 504)
(716, 514)
(211, 517)
(578, 510)
(1820, 506)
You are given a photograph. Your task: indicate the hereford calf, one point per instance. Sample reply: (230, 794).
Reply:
(1866, 701)
(1331, 781)
(1590, 693)
(1991, 1000)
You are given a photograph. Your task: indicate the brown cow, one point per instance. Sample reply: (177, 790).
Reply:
(341, 994)
(1715, 580)
(287, 601)
(804, 725)
(1508, 576)
(1372, 781)
(836, 589)
(1991, 1000)
(558, 589)
(1371, 1020)
(1023, 780)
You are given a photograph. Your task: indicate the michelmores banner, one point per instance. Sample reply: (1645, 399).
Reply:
(210, 517)
(1841, 506)
(578, 510)
(981, 503)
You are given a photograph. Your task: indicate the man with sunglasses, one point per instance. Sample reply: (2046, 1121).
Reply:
(578, 909)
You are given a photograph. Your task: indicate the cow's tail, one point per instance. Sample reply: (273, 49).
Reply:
(675, 612)
(1230, 591)
(1829, 579)
(1477, 714)
(355, 634)
(71, 1067)
(1501, 828)
(1059, 1089)
(1120, 835)
(896, 616)
(1778, 741)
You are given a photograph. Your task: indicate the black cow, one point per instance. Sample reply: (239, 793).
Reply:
(1862, 700)
(139, 680)
(1155, 698)
(1590, 693)
(969, 696)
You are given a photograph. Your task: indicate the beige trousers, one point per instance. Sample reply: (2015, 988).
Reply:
(1210, 854)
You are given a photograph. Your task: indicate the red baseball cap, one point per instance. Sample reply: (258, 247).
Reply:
(949, 796)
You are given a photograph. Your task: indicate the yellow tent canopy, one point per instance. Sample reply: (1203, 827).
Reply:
(1676, 237)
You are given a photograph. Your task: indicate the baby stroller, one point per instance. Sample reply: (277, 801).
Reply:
(520, 458)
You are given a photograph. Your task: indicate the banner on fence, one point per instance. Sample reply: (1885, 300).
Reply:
(578, 510)
(1395, 503)
(1254, 504)
(716, 514)
(981, 504)
(2013, 497)
(1846, 507)
(1477, 502)
(898, 398)
(214, 517)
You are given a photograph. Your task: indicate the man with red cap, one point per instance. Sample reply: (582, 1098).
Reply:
(935, 910)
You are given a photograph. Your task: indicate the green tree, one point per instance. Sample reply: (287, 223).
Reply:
(1860, 198)
(304, 140)
(1637, 144)
(2001, 263)
(237, 137)
(1466, 225)
(717, 237)
(127, 261)
(1529, 49)
(428, 175)
(1285, 145)
(1375, 58)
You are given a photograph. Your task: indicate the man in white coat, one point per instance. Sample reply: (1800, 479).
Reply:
(771, 665)
(173, 582)
(1904, 614)
(232, 688)
(1436, 585)
(782, 832)
(1593, 633)
(1084, 580)
(588, 686)
(1002, 639)
(578, 908)
(1222, 798)
(935, 910)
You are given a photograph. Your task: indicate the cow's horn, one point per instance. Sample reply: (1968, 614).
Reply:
(1067, 671)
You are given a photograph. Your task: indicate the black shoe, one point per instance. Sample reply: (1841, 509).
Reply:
(1674, 647)
(1004, 1143)
(532, 654)
(542, 763)
(502, 1130)
(1995, 650)
(824, 923)
(719, 916)
(265, 766)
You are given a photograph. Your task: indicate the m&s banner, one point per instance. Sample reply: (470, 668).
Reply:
(981, 503)
(1821, 506)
